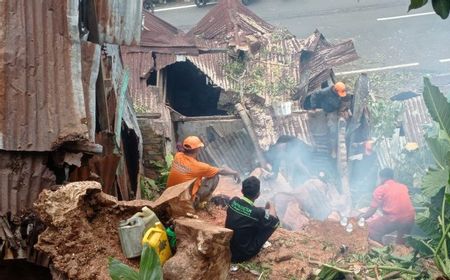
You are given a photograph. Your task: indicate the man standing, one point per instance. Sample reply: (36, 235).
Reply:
(329, 99)
(394, 201)
(251, 225)
(185, 167)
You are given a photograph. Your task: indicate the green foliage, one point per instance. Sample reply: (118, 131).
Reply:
(150, 188)
(441, 7)
(438, 106)
(379, 262)
(435, 220)
(149, 267)
(384, 116)
(235, 69)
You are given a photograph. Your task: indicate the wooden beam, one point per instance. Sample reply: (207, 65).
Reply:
(84, 147)
(248, 126)
(148, 115)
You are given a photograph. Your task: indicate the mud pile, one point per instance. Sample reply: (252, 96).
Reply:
(82, 229)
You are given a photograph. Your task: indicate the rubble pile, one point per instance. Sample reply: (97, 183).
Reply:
(82, 229)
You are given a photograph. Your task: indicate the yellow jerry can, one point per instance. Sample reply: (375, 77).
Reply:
(156, 238)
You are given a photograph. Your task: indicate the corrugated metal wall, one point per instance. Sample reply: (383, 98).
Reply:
(22, 177)
(42, 102)
(119, 21)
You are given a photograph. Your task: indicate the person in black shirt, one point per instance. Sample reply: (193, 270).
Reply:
(329, 99)
(251, 225)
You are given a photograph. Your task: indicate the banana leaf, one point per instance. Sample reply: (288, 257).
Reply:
(121, 271)
(438, 105)
(150, 267)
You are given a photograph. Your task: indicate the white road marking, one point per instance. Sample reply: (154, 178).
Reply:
(406, 16)
(444, 60)
(379, 68)
(181, 7)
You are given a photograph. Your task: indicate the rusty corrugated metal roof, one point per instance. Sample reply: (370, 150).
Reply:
(297, 124)
(234, 150)
(415, 118)
(163, 37)
(229, 23)
(43, 103)
(211, 64)
(119, 22)
(23, 176)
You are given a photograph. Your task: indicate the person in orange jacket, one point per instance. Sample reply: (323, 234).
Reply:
(398, 211)
(186, 166)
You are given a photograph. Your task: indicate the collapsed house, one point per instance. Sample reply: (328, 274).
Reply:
(65, 112)
(226, 80)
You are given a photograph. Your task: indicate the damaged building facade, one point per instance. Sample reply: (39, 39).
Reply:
(226, 79)
(65, 111)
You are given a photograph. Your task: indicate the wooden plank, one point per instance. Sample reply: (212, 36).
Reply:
(85, 147)
(102, 102)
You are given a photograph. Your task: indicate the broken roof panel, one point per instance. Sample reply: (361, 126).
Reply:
(119, 22)
(415, 119)
(162, 37)
(42, 94)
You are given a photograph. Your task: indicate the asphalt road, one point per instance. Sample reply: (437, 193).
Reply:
(385, 39)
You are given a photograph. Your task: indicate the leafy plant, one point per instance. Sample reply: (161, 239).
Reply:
(379, 263)
(149, 267)
(384, 117)
(152, 188)
(436, 184)
(441, 7)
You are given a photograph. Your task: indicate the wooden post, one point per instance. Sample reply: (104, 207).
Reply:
(342, 164)
(248, 126)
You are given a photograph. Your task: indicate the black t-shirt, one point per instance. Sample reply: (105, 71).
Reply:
(326, 99)
(251, 228)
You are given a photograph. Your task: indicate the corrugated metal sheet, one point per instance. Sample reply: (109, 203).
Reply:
(164, 60)
(163, 37)
(145, 98)
(90, 55)
(234, 150)
(22, 177)
(42, 102)
(228, 23)
(415, 118)
(388, 151)
(212, 66)
(119, 22)
(297, 124)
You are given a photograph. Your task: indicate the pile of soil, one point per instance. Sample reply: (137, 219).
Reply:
(82, 229)
(297, 254)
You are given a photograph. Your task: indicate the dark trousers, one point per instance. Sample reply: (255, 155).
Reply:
(383, 225)
(207, 187)
(239, 254)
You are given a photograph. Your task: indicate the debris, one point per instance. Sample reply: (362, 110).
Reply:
(284, 256)
(82, 229)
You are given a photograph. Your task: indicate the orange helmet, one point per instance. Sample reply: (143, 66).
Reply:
(192, 143)
(340, 89)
